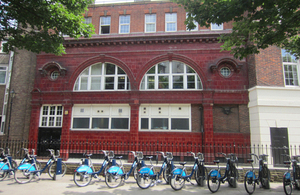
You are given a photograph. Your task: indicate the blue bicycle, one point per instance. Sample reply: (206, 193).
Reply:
(291, 179)
(7, 164)
(116, 174)
(263, 177)
(85, 172)
(179, 176)
(231, 175)
(28, 170)
(147, 176)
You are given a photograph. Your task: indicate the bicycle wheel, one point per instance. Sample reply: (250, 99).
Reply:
(213, 183)
(135, 171)
(143, 181)
(177, 182)
(14, 164)
(52, 169)
(167, 173)
(3, 174)
(232, 177)
(249, 184)
(23, 176)
(82, 179)
(287, 186)
(200, 175)
(113, 180)
(265, 181)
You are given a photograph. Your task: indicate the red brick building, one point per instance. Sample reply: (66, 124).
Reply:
(142, 77)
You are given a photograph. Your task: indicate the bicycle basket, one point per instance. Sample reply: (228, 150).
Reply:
(200, 156)
(111, 154)
(169, 156)
(139, 155)
(264, 158)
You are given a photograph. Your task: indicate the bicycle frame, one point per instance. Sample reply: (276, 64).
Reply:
(181, 171)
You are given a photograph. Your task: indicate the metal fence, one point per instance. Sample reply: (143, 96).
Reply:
(75, 149)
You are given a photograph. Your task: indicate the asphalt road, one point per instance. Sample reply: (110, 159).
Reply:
(66, 185)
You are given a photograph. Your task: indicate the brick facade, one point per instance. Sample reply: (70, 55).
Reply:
(136, 53)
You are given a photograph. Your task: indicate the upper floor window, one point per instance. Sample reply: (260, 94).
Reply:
(171, 75)
(1, 49)
(215, 26)
(3, 73)
(124, 24)
(87, 20)
(150, 23)
(291, 68)
(195, 23)
(171, 22)
(51, 116)
(105, 25)
(102, 76)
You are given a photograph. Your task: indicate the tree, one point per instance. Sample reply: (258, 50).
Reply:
(257, 24)
(39, 25)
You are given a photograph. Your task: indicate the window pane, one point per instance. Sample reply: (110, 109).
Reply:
(85, 72)
(84, 83)
(143, 83)
(95, 83)
(177, 82)
(151, 18)
(171, 27)
(163, 82)
(2, 76)
(100, 123)
(51, 121)
(150, 28)
(160, 123)
(105, 29)
(59, 110)
(119, 123)
(110, 69)
(96, 69)
(152, 70)
(109, 82)
(125, 19)
(189, 70)
(44, 121)
(177, 67)
(171, 17)
(179, 124)
(144, 123)
(191, 82)
(124, 29)
(150, 82)
(105, 20)
(83, 123)
(120, 71)
(58, 121)
(52, 110)
(121, 82)
(163, 67)
(45, 110)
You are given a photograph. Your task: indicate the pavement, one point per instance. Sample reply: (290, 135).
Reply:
(46, 186)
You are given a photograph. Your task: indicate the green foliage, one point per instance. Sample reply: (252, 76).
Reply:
(257, 24)
(39, 25)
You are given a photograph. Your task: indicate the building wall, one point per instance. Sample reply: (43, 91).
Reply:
(136, 53)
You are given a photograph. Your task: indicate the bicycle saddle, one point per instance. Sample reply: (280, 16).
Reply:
(88, 155)
(250, 160)
(216, 161)
(119, 157)
(182, 163)
(150, 157)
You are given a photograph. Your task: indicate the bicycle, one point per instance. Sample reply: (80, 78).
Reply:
(230, 175)
(26, 171)
(251, 180)
(84, 173)
(27, 158)
(170, 165)
(146, 175)
(291, 179)
(179, 175)
(7, 164)
(115, 174)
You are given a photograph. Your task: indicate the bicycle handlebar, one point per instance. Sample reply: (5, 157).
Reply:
(193, 154)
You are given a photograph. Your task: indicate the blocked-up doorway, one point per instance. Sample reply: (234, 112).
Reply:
(280, 145)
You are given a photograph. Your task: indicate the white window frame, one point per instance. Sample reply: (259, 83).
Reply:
(295, 64)
(150, 23)
(150, 111)
(50, 116)
(215, 26)
(170, 22)
(170, 75)
(6, 73)
(102, 76)
(196, 24)
(124, 24)
(106, 24)
(90, 111)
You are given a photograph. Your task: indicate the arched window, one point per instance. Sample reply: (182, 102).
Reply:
(102, 76)
(171, 75)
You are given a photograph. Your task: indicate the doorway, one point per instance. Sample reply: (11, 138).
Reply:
(280, 145)
(49, 138)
